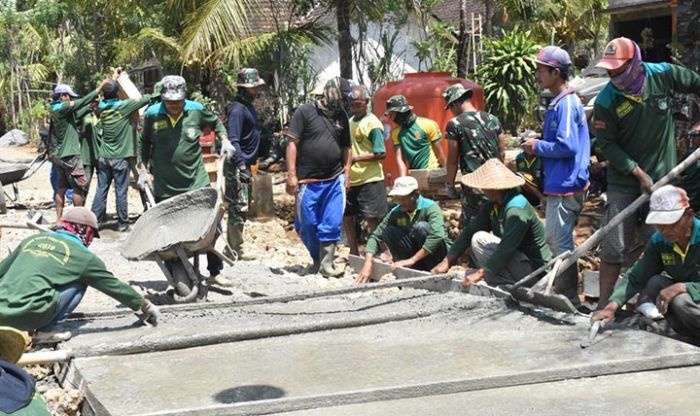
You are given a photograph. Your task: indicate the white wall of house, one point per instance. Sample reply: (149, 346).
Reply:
(324, 59)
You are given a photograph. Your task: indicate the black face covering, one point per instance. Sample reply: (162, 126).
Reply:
(244, 96)
(405, 119)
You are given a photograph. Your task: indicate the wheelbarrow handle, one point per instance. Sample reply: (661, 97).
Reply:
(220, 180)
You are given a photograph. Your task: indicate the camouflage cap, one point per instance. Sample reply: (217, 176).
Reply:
(454, 93)
(173, 88)
(248, 78)
(398, 103)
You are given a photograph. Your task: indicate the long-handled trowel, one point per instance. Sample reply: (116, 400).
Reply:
(596, 326)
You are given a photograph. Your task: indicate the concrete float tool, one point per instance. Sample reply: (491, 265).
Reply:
(540, 293)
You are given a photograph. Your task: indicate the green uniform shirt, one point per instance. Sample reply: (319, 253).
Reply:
(476, 134)
(89, 137)
(518, 227)
(529, 167)
(30, 275)
(415, 142)
(427, 210)
(639, 132)
(661, 255)
(65, 125)
(118, 129)
(367, 139)
(172, 147)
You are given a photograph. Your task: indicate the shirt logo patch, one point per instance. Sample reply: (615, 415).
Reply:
(668, 259)
(192, 132)
(159, 125)
(417, 135)
(663, 104)
(402, 221)
(623, 109)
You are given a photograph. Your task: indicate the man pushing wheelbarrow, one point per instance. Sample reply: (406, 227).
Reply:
(170, 147)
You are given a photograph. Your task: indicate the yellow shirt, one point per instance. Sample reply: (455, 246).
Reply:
(367, 139)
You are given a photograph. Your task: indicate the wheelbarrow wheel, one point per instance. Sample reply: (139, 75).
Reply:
(183, 284)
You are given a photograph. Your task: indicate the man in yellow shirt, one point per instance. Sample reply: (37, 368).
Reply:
(366, 197)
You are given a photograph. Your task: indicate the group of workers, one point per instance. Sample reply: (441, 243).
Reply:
(334, 169)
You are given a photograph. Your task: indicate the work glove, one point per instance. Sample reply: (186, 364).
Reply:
(151, 314)
(451, 191)
(144, 179)
(227, 149)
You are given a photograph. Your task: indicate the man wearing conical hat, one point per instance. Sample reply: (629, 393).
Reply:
(18, 395)
(506, 237)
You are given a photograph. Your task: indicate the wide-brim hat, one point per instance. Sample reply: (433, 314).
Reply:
(12, 344)
(398, 104)
(492, 175)
(454, 93)
(248, 78)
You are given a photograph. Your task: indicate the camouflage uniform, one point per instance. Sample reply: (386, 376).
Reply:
(476, 134)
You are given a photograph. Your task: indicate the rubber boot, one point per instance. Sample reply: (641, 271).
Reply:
(234, 237)
(327, 254)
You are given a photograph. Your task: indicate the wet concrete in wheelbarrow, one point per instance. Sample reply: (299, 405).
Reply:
(453, 344)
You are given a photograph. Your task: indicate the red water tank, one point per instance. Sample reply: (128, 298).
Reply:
(423, 90)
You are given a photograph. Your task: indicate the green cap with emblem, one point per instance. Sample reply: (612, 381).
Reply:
(454, 93)
(398, 103)
(248, 78)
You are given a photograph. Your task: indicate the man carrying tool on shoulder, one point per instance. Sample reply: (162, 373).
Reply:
(414, 231)
(506, 237)
(673, 249)
(634, 126)
(44, 279)
(170, 144)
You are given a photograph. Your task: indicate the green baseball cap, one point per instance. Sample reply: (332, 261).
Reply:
(248, 78)
(454, 93)
(398, 103)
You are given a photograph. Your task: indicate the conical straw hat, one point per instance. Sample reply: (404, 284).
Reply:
(12, 344)
(492, 175)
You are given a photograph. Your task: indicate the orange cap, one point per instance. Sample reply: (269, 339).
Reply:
(617, 52)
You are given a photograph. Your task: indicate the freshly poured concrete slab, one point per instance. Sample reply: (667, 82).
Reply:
(650, 393)
(446, 353)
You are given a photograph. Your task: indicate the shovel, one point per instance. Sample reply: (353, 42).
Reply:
(539, 294)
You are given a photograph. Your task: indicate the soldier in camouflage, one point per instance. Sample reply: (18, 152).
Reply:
(473, 137)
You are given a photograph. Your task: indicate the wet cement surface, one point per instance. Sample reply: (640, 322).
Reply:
(454, 350)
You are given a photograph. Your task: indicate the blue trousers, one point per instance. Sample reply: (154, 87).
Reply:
(108, 169)
(319, 213)
(69, 299)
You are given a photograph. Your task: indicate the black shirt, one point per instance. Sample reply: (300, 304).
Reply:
(321, 139)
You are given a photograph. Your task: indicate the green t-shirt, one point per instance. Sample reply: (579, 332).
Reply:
(65, 124)
(31, 274)
(518, 227)
(118, 129)
(427, 210)
(367, 138)
(639, 132)
(661, 255)
(173, 150)
(415, 141)
(90, 137)
(476, 134)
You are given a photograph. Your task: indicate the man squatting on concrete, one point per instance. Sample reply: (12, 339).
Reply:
(565, 153)
(367, 193)
(674, 249)
(507, 237)
(414, 231)
(244, 134)
(117, 152)
(170, 145)
(44, 279)
(318, 170)
(634, 126)
(64, 131)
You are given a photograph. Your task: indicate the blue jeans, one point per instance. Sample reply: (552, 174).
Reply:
(561, 216)
(69, 299)
(107, 170)
(319, 213)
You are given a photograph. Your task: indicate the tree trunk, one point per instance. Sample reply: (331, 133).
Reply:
(489, 17)
(96, 42)
(11, 64)
(344, 38)
(462, 46)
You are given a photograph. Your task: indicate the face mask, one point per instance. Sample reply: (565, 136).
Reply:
(633, 80)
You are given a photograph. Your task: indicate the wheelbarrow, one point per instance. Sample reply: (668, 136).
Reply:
(175, 230)
(13, 173)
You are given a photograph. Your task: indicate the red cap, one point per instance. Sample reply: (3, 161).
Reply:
(618, 51)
